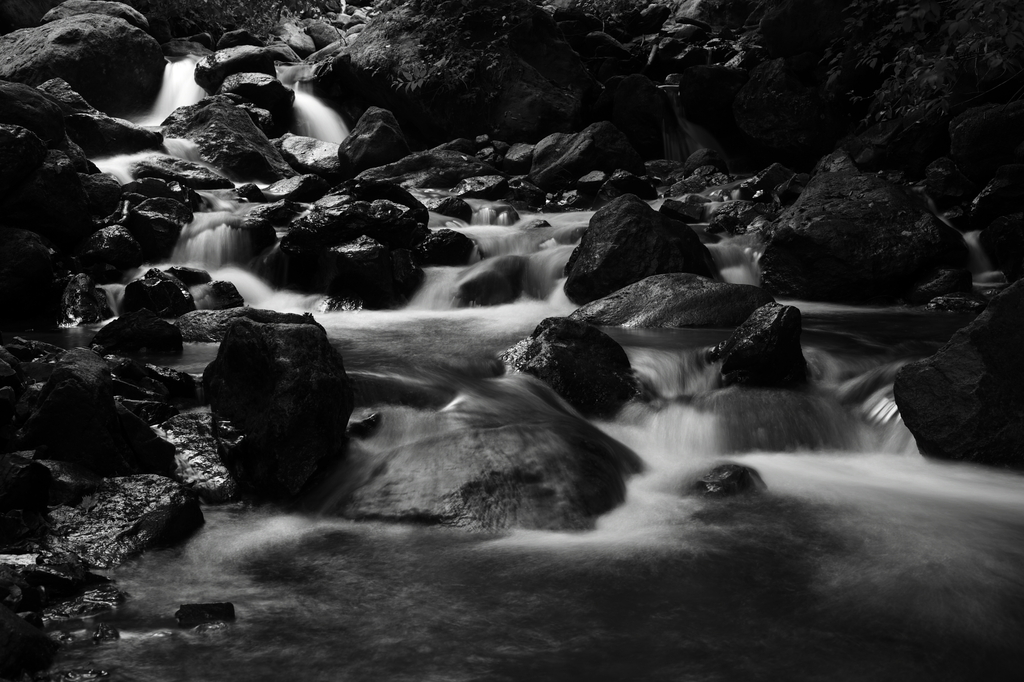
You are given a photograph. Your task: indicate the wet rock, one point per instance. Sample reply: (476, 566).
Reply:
(25, 648)
(101, 135)
(26, 107)
(105, 633)
(946, 184)
(211, 71)
(51, 202)
(518, 159)
(186, 173)
(151, 412)
(285, 387)
(219, 296)
(959, 302)
(23, 484)
(623, 182)
(966, 402)
(138, 330)
(855, 237)
(69, 482)
(82, 303)
(492, 281)
(489, 187)
(738, 217)
(627, 241)
(729, 480)
(156, 225)
(764, 350)
(190, 277)
(685, 210)
(430, 169)
(1003, 241)
(126, 516)
(152, 453)
(262, 90)
(190, 615)
(26, 273)
(86, 51)
(237, 38)
(70, 8)
(103, 193)
(581, 363)
(21, 153)
(376, 140)
(228, 139)
(1002, 196)
(159, 292)
(361, 271)
(198, 463)
(515, 459)
(445, 247)
(675, 300)
(702, 158)
(309, 155)
(984, 138)
(453, 207)
(764, 187)
(211, 326)
(940, 283)
(560, 158)
(91, 602)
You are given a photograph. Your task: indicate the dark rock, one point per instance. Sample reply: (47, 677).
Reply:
(445, 247)
(640, 110)
(69, 482)
(309, 155)
(675, 300)
(966, 402)
(159, 292)
(737, 217)
(189, 615)
(361, 271)
(285, 387)
(627, 241)
(940, 283)
(699, 181)
(518, 159)
(151, 412)
(21, 153)
(907, 143)
(323, 34)
(560, 158)
(702, 158)
(211, 71)
(28, 108)
(946, 184)
(489, 187)
(211, 326)
(23, 484)
(152, 453)
(591, 182)
(683, 210)
(186, 173)
(101, 135)
(581, 363)
(956, 303)
(156, 225)
(376, 140)
(431, 169)
(114, 245)
(728, 480)
(92, 602)
(492, 281)
(103, 193)
(114, 65)
(764, 187)
(190, 277)
(219, 296)
(26, 273)
(1002, 196)
(984, 138)
(198, 464)
(70, 8)
(105, 633)
(707, 94)
(50, 201)
(623, 182)
(453, 207)
(855, 237)
(792, 27)
(304, 188)
(82, 303)
(137, 330)
(764, 350)
(25, 648)
(1003, 241)
(262, 90)
(126, 516)
(237, 38)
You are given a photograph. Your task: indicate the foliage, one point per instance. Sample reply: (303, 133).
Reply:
(258, 16)
(931, 55)
(608, 10)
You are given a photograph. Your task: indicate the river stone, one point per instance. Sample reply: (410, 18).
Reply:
(114, 245)
(126, 516)
(445, 247)
(100, 135)
(82, 303)
(304, 188)
(492, 281)
(136, 331)
(23, 648)
(157, 224)
(115, 66)
(966, 402)
(211, 71)
(238, 37)
(626, 242)
(376, 140)
(189, 615)
(262, 90)
(855, 237)
(430, 169)
(452, 207)
(581, 363)
(26, 273)
(764, 350)
(103, 192)
(186, 173)
(284, 386)
(940, 283)
(210, 326)
(69, 482)
(164, 294)
(561, 158)
(50, 201)
(70, 8)
(513, 456)
(198, 463)
(675, 300)
(310, 155)
(728, 480)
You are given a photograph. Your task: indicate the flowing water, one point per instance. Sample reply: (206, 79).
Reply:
(861, 561)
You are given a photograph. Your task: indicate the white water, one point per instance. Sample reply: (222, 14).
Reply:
(179, 89)
(737, 259)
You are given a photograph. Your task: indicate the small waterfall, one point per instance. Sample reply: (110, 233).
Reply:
(438, 289)
(681, 136)
(544, 270)
(977, 260)
(179, 89)
(186, 150)
(313, 118)
(494, 214)
(115, 297)
(737, 259)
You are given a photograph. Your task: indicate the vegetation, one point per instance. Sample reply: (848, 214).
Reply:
(931, 56)
(257, 16)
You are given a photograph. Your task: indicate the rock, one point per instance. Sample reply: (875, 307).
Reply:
(284, 386)
(492, 281)
(211, 326)
(453, 207)
(675, 300)
(431, 169)
(514, 457)
(114, 245)
(581, 363)
(309, 155)
(126, 516)
(488, 187)
(376, 140)
(75, 419)
(82, 303)
(702, 179)
(984, 138)
(707, 93)
(303, 188)
(70, 8)
(792, 27)
(92, 602)
(103, 193)
(445, 247)
(946, 184)
(211, 71)
(323, 34)
(28, 108)
(295, 38)
(907, 143)
(966, 402)
(939, 283)
(228, 139)
(560, 158)
(728, 480)
(1003, 241)
(854, 237)
(776, 110)
(737, 217)
(189, 615)
(198, 464)
(116, 67)
(24, 648)
(138, 330)
(361, 273)
(236, 38)
(159, 292)
(626, 242)
(69, 482)
(21, 153)
(219, 296)
(186, 173)
(765, 186)
(152, 453)
(518, 159)
(640, 111)
(1002, 196)
(623, 182)
(702, 158)
(24, 484)
(956, 303)
(26, 273)
(101, 135)
(764, 350)
(51, 202)
(156, 225)
(262, 90)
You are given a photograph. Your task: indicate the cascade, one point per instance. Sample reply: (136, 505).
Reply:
(681, 136)
(313, 118)
(179, 89)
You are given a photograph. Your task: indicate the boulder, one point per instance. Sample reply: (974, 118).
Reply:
(626, 242)
(764, 350)
(103, 193)
(219, 295)
(984, 138)
(513, 456)
(361, 274)
(561, 158)
(115, 66)
(492, 281)
(946, 184)
(198, 463)
(430, 169)
(100, 135)
(1003, 241)
(284, 386)
(211, 326)
(212, 70)
(71, 8)
(186, 173)
(703, 158)
(23, 647)
(640, 110)
(675, 300)
(728, 480)
(940, 283)
(27, 107)
(21, 153)
(51, 202)
(295, 38)
(159, 292)
(376, 140)
(262, 90)
(126, 516)
(453, 207)
(156, 225)
(153, 454)
(966, 402)
(304, 188)
(445, 247)
(138, 330)
(26, 274)
(69, 482)
(1002, 196)
(581, 363)
(228, 139)
(238, 37)
(24, 484)
(82, 303)
(855, 237)
(310, 155)
(114, 245)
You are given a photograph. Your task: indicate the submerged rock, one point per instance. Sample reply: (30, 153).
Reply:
(198, 462)
(189, 615)
(137, 330)
(727, 480)
(765, 349)
(966, 402)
